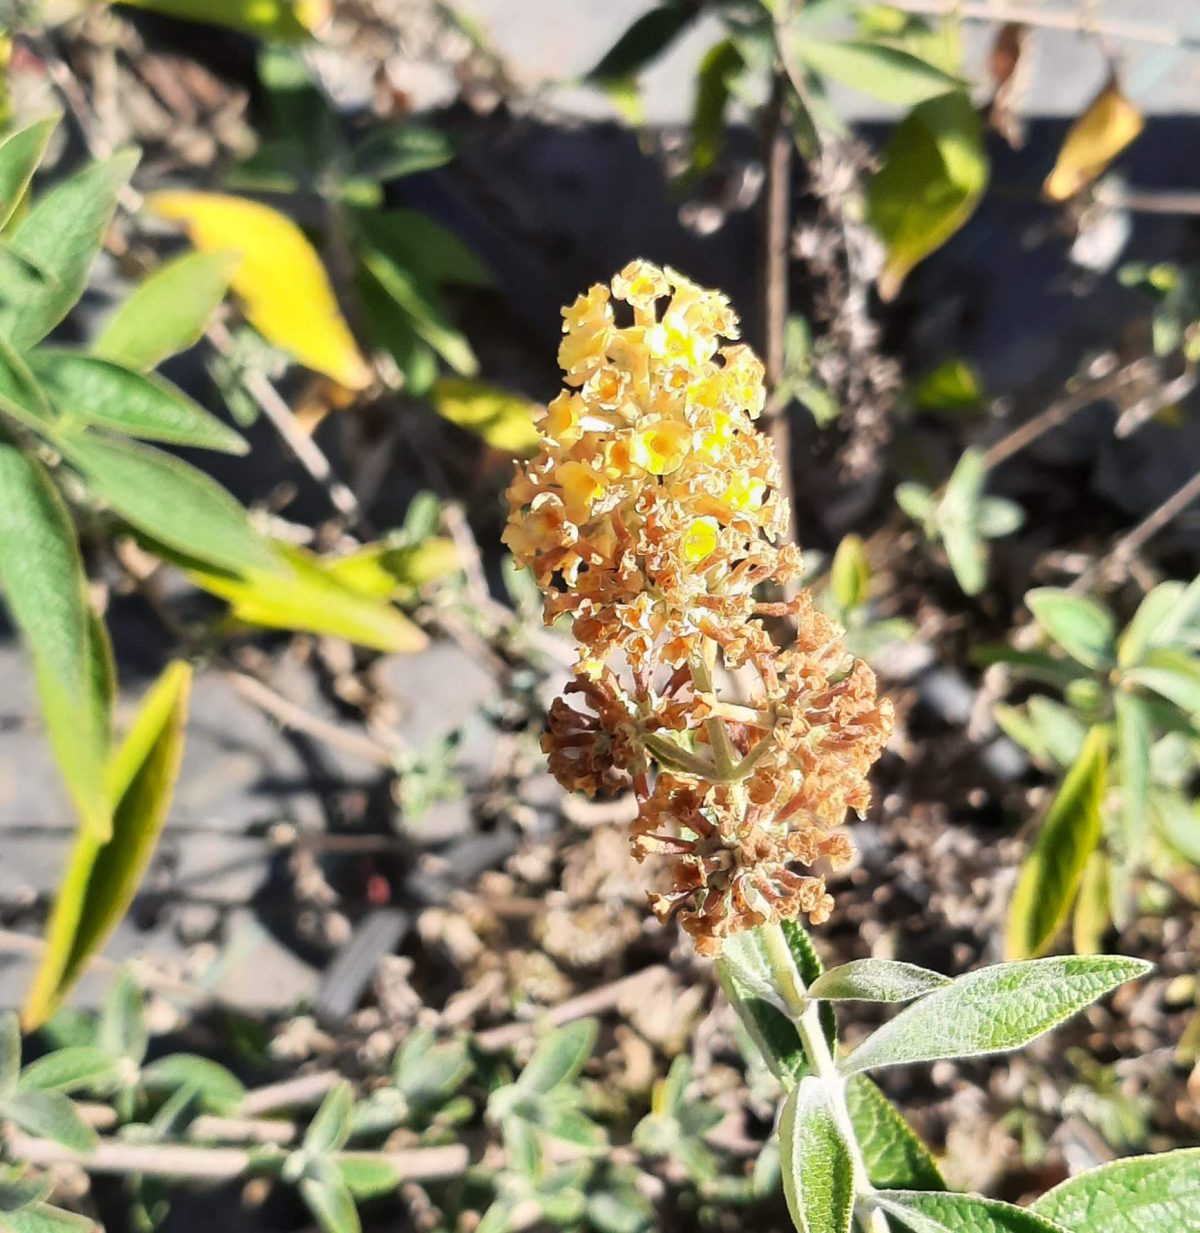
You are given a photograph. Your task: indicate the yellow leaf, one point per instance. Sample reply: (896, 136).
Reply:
(274, 19)
(102, 876)
(504, 420)
(1110, 123)
(280, 280)
(310, 596)
(396, 571)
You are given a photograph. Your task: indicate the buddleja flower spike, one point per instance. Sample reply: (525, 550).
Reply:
(651, 515)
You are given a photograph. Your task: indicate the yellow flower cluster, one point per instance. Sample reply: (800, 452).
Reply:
(651, 516)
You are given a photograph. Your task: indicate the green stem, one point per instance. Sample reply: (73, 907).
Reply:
(806, 1015)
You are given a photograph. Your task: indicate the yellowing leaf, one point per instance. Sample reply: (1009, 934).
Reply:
(396, 571)
(1110, 123)
(273, 19)
(504, 420)
(102, 876)
(280, 280)
(933, 175)
(306, 595)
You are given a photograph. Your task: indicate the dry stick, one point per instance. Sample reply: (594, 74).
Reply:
(217, 1164)
(774, 234)
(293, 715)
(1107, 379)
(1050, 19)
(591, 1003)
(275, 407)
(1128, 545)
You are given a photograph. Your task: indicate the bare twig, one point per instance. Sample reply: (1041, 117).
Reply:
(1079, 21)
(591, 1003)
(775, 233)
(293, 715)
(1128, 546)
(217, 1164)
(302, 1092)
(275, 407)
(1106, 379)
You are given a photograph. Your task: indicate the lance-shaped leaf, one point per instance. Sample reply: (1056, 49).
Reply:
(168, 499)
(301, 592)
(925, 1212)
(61, 236)
(1140, 1194)
(20, 153)
(168, 312)
(877, 980)
(41, 575)
(993, 1010)
(1110, 123)
(102, 877)
(933, 175)
(49, 1115)
(560, 1057)
(1084, 628)
(894, 1157)
(288, 20)
(818, 1175)
(284, 289)
(888, 73)
(648, 37)
(101, 392)
(502, 419)
(1050, 876)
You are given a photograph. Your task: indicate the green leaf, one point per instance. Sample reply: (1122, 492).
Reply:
(331, 1204)
(290, 20)
(559, 1057)
(643, 42)
(102, 877)
(1140, 1194)
(818, 1176)
(50, 1115)
(21, 397)
(893, 1155)
(99, 391)
(10, 1052)
(301, 591)
(1092, 916)
(1181, 619)
(721, 63)
(17, 1192)
(953, 385)
(168, 312)
(123, 1032)
(993, 1010)
(1083, 628)
(850, 574)
(1172, 674)
(915, 500)
(389, 152)
(933, 175)
(1059, 729)
(420, 303)
(42, 578)
(418, 243)
(999, 517)
(959, 522)
(926, 1212)
(20, 153)
(330, 1127)
(217, 1089)
(876, 980)
(42, 1218)
(771, 1030)
(75, 1068)
(169, 500)
(1152, 615)
(368, 1175)
(61, 235)
(1050, 876)
(1133, 766)
(887, 73)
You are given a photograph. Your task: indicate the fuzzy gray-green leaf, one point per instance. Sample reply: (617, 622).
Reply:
(818, 1176)
(993, 1010)
(876, 980)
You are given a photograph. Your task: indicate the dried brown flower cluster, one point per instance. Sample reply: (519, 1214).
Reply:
(650, 515)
